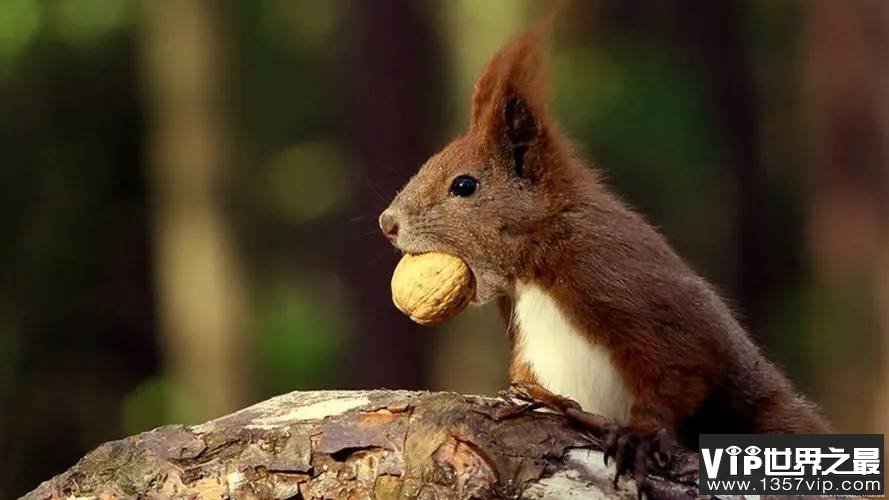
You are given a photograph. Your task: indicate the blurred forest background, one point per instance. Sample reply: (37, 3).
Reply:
(189, 193)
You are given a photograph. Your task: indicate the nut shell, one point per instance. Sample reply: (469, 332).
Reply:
(432, 287)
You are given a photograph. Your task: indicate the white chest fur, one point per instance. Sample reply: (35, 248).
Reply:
(563, 359)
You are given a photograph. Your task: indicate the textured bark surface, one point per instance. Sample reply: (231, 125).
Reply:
(356, 444)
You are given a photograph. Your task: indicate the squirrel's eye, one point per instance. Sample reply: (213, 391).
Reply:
(464, 186)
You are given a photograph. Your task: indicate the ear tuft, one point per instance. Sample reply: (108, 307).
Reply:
(515, 73)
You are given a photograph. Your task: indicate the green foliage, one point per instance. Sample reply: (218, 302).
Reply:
(647, 120)
(305, 181)
(157, 401)
(301, 332)
(83, 22)
(19, 24)
(300, 26)
(645, 113)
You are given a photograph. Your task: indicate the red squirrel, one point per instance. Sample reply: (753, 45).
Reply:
(599, 308)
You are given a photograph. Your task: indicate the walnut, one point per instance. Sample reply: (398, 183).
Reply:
(432, 287)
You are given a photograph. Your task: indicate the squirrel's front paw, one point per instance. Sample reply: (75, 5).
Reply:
(537, 394)
(638, 454)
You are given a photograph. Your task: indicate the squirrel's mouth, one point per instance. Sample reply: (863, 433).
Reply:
(475, 296)
(484, 291)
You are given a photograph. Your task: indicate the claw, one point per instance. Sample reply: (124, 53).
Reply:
(507, 396)
(643, 486)
(661, 452)
(515, 406)
(534, 392)
(636, 455)
(609, 444)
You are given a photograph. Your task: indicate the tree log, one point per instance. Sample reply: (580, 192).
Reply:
(358, 444)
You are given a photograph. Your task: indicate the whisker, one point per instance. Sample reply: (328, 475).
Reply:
(359, 218)
(374, 188)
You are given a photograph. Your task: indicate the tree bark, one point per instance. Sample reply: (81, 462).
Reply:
(358, 444)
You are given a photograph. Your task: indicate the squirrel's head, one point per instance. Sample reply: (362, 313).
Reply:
(486, 196)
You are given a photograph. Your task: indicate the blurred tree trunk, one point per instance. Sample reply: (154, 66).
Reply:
(715, 32)
(198, 282)
(847, 56)
(394, 109)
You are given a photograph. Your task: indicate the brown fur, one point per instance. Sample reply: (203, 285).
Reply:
(541, 215)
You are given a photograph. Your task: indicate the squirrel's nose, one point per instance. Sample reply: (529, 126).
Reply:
(389, 225)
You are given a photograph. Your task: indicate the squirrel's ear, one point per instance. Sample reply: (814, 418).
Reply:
(510, 100)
